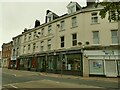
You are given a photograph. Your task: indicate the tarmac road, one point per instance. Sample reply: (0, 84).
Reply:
(27, 79)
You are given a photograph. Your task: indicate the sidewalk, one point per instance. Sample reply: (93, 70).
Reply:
(113, 79)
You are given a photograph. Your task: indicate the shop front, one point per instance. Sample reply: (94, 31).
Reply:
(70, 63)
(96, 67)
(101, 63)
(25, 63)
(60, 62)
(12, 63)
(41, 63)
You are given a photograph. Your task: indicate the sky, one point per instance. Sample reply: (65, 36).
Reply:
(16, 15)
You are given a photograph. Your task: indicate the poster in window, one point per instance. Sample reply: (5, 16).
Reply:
(69, 66)
(96, 67)
(97, 64)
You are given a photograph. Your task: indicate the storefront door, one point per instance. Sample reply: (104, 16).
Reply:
(110, 68)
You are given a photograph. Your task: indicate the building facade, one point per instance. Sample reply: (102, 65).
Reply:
(15, 52)
(6, 54)
(0, 59)
(76, 43)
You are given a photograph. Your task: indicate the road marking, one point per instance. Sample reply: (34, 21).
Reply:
(15, 75)
(57, 82)
(13, 86)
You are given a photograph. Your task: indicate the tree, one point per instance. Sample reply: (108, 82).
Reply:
(112, 8)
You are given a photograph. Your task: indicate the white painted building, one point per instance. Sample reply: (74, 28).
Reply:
(56, 42)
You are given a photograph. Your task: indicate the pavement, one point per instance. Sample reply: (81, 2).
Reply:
(110, 79)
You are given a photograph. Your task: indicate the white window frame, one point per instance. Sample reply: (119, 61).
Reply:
(25, 38)
(49, 44)
(28, 47)
(29, 36)
(49, 29)
(94, 17)
(74, 39)
(34, 47)
(42, 46)
(62, 25)
(74, 21)
(96, 37)
(42, 31)
(115, 37)
(35, 34)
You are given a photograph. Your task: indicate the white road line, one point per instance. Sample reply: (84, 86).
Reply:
(57, 82)
(13, 86)
(15, 75)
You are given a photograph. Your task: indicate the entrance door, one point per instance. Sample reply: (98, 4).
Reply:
(110, 68)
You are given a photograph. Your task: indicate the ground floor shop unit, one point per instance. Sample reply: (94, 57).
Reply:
(73, 62)
(103, 64)
(62, 62)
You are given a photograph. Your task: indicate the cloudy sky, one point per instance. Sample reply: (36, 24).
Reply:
(15, 16)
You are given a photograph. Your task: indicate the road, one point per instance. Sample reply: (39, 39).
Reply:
(26, 79)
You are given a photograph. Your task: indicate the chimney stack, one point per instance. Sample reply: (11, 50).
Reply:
(37, 23)
(89, 2)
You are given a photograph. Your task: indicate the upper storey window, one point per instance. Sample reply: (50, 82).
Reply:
(50, 16)
(49, 29)
(73, 7)
(25, 37)
(94, 18)
(74, 22)
(62, 25)
(114, 36)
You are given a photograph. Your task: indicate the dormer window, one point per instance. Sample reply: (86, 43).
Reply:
(73, 7)
(50, 16)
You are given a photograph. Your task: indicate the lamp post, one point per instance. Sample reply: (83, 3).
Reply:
(46, 66)
(54, 62)
(61, 62)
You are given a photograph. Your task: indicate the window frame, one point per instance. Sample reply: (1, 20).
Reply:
(49, 44)
(93, 20)
(42, 31)
(74, 40)
(116, 37)
(96, 40)
(49, 29)
(62, 42)
(74, 21)
(42, 46)
(62, 26)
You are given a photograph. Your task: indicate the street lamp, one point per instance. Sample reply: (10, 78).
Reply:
(46, 62)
